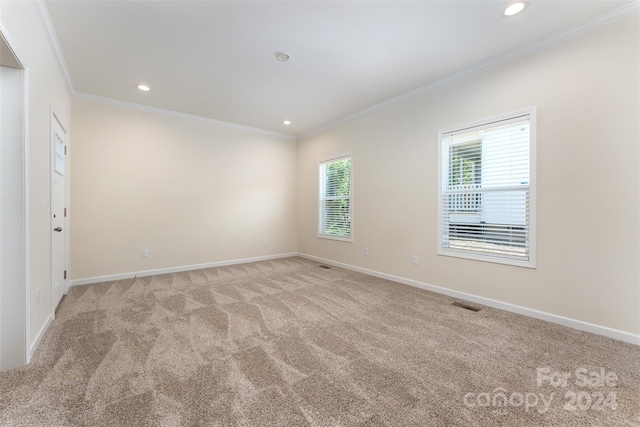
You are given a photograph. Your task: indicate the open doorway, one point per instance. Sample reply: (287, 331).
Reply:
(13, 209)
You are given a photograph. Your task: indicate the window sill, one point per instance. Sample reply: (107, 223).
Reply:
(530, 263)
(339, 238)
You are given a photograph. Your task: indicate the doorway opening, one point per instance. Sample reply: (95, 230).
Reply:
(14, 338)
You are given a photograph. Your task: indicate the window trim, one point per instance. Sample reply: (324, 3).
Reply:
(326, 160)
(486, 123)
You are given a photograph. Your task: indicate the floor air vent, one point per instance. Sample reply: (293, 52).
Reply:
(465, 306)
(326, 267)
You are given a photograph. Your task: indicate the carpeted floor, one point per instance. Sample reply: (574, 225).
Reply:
(287, 343)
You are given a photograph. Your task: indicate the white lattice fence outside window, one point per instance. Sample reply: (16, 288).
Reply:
(463, 200)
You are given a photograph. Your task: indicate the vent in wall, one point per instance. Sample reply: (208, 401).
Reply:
(465, 306)
(326, 267)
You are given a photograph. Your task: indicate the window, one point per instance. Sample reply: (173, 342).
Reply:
(58, 158)
(487, 192)
(335, 198)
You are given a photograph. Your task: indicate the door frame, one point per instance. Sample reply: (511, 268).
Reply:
(25, 189)
(65, 283)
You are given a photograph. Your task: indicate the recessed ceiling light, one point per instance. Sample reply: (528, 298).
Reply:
(286, 122)
(144, 88)
(514, 8)
(281, 56)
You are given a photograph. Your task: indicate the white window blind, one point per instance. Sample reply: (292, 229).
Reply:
(335, 198)
(486, 192)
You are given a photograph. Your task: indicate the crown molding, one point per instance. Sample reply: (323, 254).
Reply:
(52, 38)
(586, 26)
(156, 110)
(54, 44)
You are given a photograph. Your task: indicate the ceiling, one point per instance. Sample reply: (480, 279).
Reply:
(215, 59)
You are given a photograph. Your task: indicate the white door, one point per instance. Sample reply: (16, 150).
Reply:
(58, 211)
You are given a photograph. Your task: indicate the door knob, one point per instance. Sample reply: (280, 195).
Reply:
(58, 229)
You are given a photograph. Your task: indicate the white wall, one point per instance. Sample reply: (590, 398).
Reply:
(586, 93)
(47, 90)
(190, 191)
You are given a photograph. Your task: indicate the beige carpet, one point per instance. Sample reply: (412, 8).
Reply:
(287, 343)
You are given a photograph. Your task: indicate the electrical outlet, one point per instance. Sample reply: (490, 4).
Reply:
(38, 296)
(265, 242)
(415, 260)
(366, 251)
(145, 252)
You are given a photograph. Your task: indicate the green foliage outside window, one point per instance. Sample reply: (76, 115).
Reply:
(461, 171)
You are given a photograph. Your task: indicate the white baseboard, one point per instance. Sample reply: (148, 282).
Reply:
(39, 335)
(110, 278)
(537, 314)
